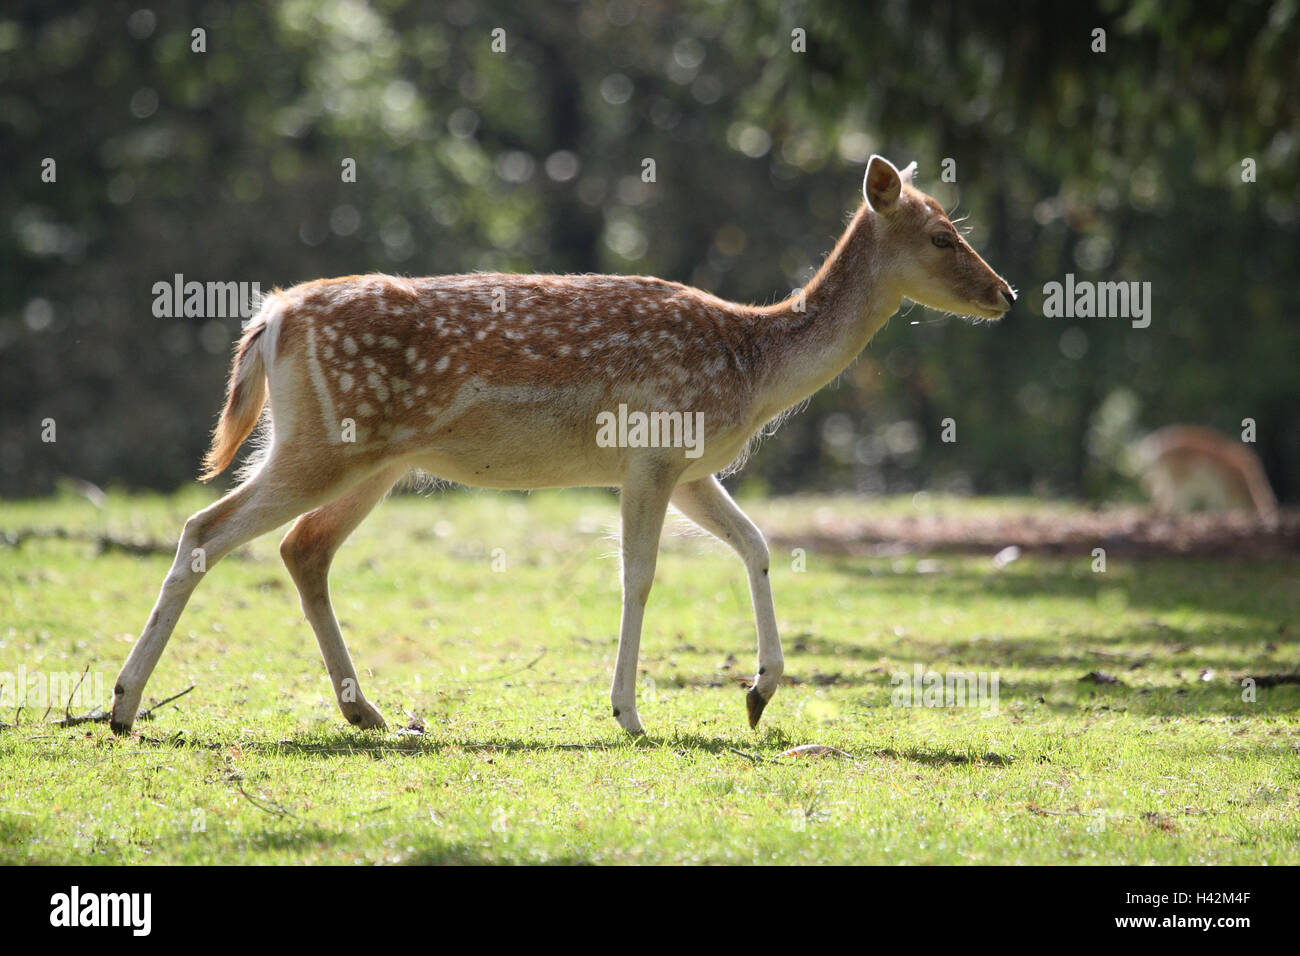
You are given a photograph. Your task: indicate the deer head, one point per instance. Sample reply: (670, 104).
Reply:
(924, 255)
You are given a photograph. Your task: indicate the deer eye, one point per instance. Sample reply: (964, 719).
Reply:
(942, 240)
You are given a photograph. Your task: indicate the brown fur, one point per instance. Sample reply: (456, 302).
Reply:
(393, 354)
(503, 381)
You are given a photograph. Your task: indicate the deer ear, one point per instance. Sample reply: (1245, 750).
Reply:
(908, 173)
(882, 184)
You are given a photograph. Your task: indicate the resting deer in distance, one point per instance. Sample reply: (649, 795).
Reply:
(503, 381)
(1187, 467)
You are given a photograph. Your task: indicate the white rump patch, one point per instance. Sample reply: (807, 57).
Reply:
(321, 387)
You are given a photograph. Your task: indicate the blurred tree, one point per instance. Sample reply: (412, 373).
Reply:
(227, 165)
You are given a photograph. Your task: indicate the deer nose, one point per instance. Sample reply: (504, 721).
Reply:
(1009, 296)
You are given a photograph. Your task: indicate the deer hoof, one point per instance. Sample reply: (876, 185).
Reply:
(629, 720)
(121, 714)
(119, 727)
(366, 717)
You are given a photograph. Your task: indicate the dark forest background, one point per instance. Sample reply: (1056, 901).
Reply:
(225, 165)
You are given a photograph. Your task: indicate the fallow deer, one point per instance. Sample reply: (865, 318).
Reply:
(499, 381)
(1189, 467)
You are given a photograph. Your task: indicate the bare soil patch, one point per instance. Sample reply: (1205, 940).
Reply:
(1128, 532)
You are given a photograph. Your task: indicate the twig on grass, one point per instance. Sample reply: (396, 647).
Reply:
(148, 712)
(99, 715)
(67, 708)
(814, 750)
(518, 670)
(276, 810)
(1033, 807)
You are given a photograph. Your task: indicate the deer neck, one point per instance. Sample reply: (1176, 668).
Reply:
(807, 340)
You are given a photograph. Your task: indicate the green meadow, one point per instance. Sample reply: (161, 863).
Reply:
(484, 627)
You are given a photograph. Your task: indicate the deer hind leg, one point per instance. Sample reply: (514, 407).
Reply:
(308, 549)
(707, 503)
(264, 502)
(644, 504)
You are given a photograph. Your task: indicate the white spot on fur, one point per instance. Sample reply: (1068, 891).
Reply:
(317, 375)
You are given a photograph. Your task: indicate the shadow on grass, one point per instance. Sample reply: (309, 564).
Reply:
(14, 834)
(1144, 644)
(1235, 587)
(353, 743)
(1216, 699)
(22, 844)
(1180, 666)
(303, 837)
(1073, 697)
(935, 757)
(761, 750)
(459, 854)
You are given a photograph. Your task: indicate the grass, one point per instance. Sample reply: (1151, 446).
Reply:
(521, 763)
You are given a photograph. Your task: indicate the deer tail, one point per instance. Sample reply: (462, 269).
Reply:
(245, 392)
